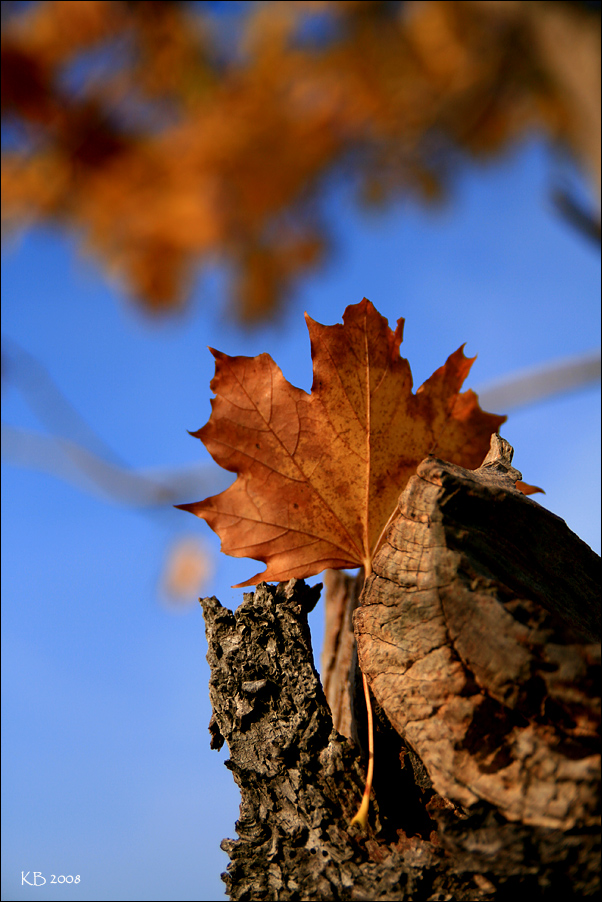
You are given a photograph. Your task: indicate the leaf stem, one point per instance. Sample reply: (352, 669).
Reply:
(361, 817)
(381, 537)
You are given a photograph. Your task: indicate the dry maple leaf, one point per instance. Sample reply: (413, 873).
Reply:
(319, 475)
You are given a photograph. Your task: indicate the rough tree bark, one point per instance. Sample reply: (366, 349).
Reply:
(477, 631)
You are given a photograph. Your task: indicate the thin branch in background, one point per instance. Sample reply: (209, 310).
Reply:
(153, 488)
(73, 451)
(541, 383)
(50, 405)
(577, 215)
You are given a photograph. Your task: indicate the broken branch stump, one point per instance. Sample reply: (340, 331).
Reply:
(475, 631)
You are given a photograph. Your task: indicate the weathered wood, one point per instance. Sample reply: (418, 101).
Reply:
(486, 781)
(300, 781)
(492, 690)
(338, 666)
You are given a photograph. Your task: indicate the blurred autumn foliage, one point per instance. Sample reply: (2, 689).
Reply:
(166, 140)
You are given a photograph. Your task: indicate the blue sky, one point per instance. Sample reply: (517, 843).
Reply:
(107, 768)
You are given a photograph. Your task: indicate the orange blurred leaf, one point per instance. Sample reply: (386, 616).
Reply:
(187, 569)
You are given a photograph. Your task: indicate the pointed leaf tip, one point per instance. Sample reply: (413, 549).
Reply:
(527, 489)
(182, 507)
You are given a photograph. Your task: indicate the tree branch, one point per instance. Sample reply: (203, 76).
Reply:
(486, 775)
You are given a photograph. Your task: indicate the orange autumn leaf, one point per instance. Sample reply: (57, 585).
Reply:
(527, 489)
(167, 135)
(186, 571)
(319, 474)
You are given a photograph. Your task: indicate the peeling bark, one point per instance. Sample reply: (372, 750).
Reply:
(479, 653)
(473, 634)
